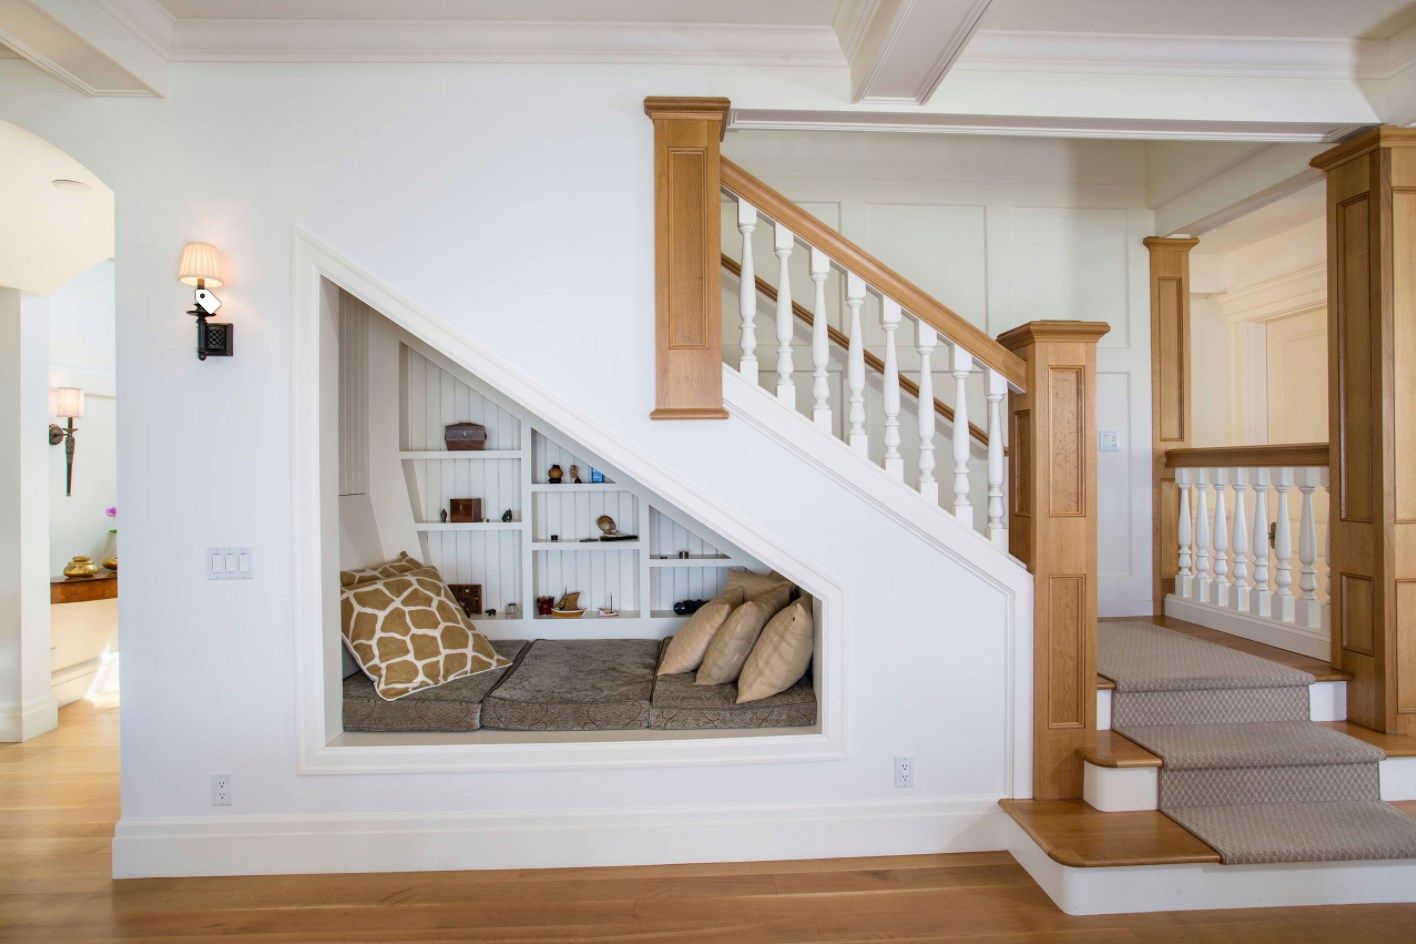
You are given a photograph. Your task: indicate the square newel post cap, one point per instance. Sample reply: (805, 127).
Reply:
(659, 108)
(1381, 137)
(1034, 332)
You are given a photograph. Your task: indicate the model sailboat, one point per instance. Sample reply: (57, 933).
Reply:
(568, 606)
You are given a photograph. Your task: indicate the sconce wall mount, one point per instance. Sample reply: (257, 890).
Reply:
(201, 267)
(68, 406)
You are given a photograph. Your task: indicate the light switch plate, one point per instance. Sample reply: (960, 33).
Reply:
(230, 563)
(1108, 440)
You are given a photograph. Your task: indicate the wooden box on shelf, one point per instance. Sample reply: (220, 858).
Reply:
(465, 437)
(462, 510)
(468, 596)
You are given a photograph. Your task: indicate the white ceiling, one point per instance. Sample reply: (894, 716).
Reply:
(755, 12)
(1282, 215)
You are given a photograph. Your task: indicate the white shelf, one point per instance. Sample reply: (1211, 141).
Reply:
(590, 614)
(582, 487)
(586, 545)
(471, 526)
(469, 454)
(695, 562)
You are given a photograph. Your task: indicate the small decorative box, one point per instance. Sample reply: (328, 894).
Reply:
(465, 437)
(468, 596)
(465, 509)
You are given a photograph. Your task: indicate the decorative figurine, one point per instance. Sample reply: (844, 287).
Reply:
(575, 475)
(544, 604)
(492, 613)
(568, 606)
(555, 475)
(608, 611)
(443, 515)
(506, 515)
(596, 477)
(685, 607)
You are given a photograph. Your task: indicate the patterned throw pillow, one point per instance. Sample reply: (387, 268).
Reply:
(408, 633)
(402, 565)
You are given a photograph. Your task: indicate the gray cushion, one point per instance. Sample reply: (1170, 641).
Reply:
(680, 705)
(455, 706)
(576, 685)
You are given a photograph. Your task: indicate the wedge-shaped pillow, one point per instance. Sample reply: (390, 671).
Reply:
(781, 655)
(734, 639)
(754, 584)
(403, 564)
(686, 649)
(408, 634)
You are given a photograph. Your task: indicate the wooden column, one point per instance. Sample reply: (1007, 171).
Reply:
(1170, 398)
(1052, 528)
(1371, 212)
(688, 323)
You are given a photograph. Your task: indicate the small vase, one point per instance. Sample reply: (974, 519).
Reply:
(111, 563)
(80, 566)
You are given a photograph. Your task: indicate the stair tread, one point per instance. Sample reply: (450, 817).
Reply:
(1076, 834)
(1394, 745)
(1251, 744)
(1332, 831)
(1112, 749)
(1319, 670)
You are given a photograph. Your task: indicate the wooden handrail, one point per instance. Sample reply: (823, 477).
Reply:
(1223, 457)
(856, 260)
(843, 340)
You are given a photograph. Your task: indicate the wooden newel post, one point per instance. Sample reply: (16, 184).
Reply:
(1053, 529)
(688, 323)
(1371, 224)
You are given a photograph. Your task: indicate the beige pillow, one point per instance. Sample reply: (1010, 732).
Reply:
(686, 649)
(781, 655)
(408, 634)
(403, 564)
(753, 584)
(733, 640)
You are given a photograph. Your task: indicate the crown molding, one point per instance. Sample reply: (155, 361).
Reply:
(851, 22)
(148, 20)
(1150, 54)
(242, 40)
(1140, 129)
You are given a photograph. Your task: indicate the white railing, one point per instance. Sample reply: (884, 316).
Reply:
(960, 362)
(1235, 540)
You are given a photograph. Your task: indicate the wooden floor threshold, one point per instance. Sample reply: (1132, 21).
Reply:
(1109, 749)
(1075, 834)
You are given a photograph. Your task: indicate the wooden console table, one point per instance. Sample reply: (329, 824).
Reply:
(83, 589)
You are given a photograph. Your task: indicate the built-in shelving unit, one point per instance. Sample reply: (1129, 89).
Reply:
(516, 561)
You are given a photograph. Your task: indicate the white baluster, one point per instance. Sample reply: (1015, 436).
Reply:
(1240, 597)
(1185, 573)
(1205, 582)
(1262, 597)
(747, 293)
(786, 383)
(1308, 612)
(1327, 555)
(820, 343)
(890, 321)
(1283, 607)
(1221, 541)
(997, 390)
(855, 365)
(926, 338)
(961, 363)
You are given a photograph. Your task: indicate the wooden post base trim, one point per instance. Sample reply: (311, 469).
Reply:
(689, 413)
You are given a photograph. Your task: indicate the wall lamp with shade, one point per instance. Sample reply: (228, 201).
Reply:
(68, 404)
(201, 267)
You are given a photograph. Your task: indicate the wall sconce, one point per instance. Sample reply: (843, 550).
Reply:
(68, 405)
(201, 267)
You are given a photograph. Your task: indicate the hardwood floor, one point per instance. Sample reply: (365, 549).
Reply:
(59, 801)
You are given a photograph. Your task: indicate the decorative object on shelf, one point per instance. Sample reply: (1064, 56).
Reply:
(491, 612)
(608, 611)
(67, 403)
(555, 537)
(575, 475)
(568, 606)
(111, 563)
(506, 515)
(465, 510)
(513, 610)
(442, 516)
(596, 477)
(80, 567)
(683, 555)
(465, 437)
(554, 475)
(544, 605)
(609, 531)
(685, 607)
(201, 267)
(468, 596)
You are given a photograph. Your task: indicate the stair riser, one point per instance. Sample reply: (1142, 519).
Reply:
(1118, 790)
(1218, 706)
(1229, 786)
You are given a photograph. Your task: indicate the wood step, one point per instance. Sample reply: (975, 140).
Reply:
(1074, 834)
(1109, 749)
(1395, 745)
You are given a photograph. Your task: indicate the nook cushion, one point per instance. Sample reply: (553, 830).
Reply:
(753, 584)
(408, 633)
(734, 639)
(403, 564)
(576, 685)
(680, 705)
(685, 651)
(781, 654)
(455, 706)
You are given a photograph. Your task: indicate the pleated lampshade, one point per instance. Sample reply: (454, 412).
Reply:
(68, 403)
(200, 262)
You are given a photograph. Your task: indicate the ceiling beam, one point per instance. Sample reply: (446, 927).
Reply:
(900, 50)
(103, 48)
(1258, 179)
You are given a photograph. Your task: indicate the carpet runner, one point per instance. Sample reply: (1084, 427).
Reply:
(1244, 769)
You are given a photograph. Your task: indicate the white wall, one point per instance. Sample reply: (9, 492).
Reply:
(515, 203)
(1003, 231)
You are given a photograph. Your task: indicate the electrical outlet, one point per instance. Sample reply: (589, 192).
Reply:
(904, 772)
(230, 563)
(220, 789)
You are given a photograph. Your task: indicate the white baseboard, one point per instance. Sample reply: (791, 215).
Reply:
(1312, 643)
(73, 682)
(24, 721)
(265, 845)
(1197, 887)
(1103, 709)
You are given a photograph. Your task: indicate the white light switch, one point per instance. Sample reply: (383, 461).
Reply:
(229, 563)
(1108, 441)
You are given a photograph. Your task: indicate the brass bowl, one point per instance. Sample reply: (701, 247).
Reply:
(80, 567)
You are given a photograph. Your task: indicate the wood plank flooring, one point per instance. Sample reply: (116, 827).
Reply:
(59, 801)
